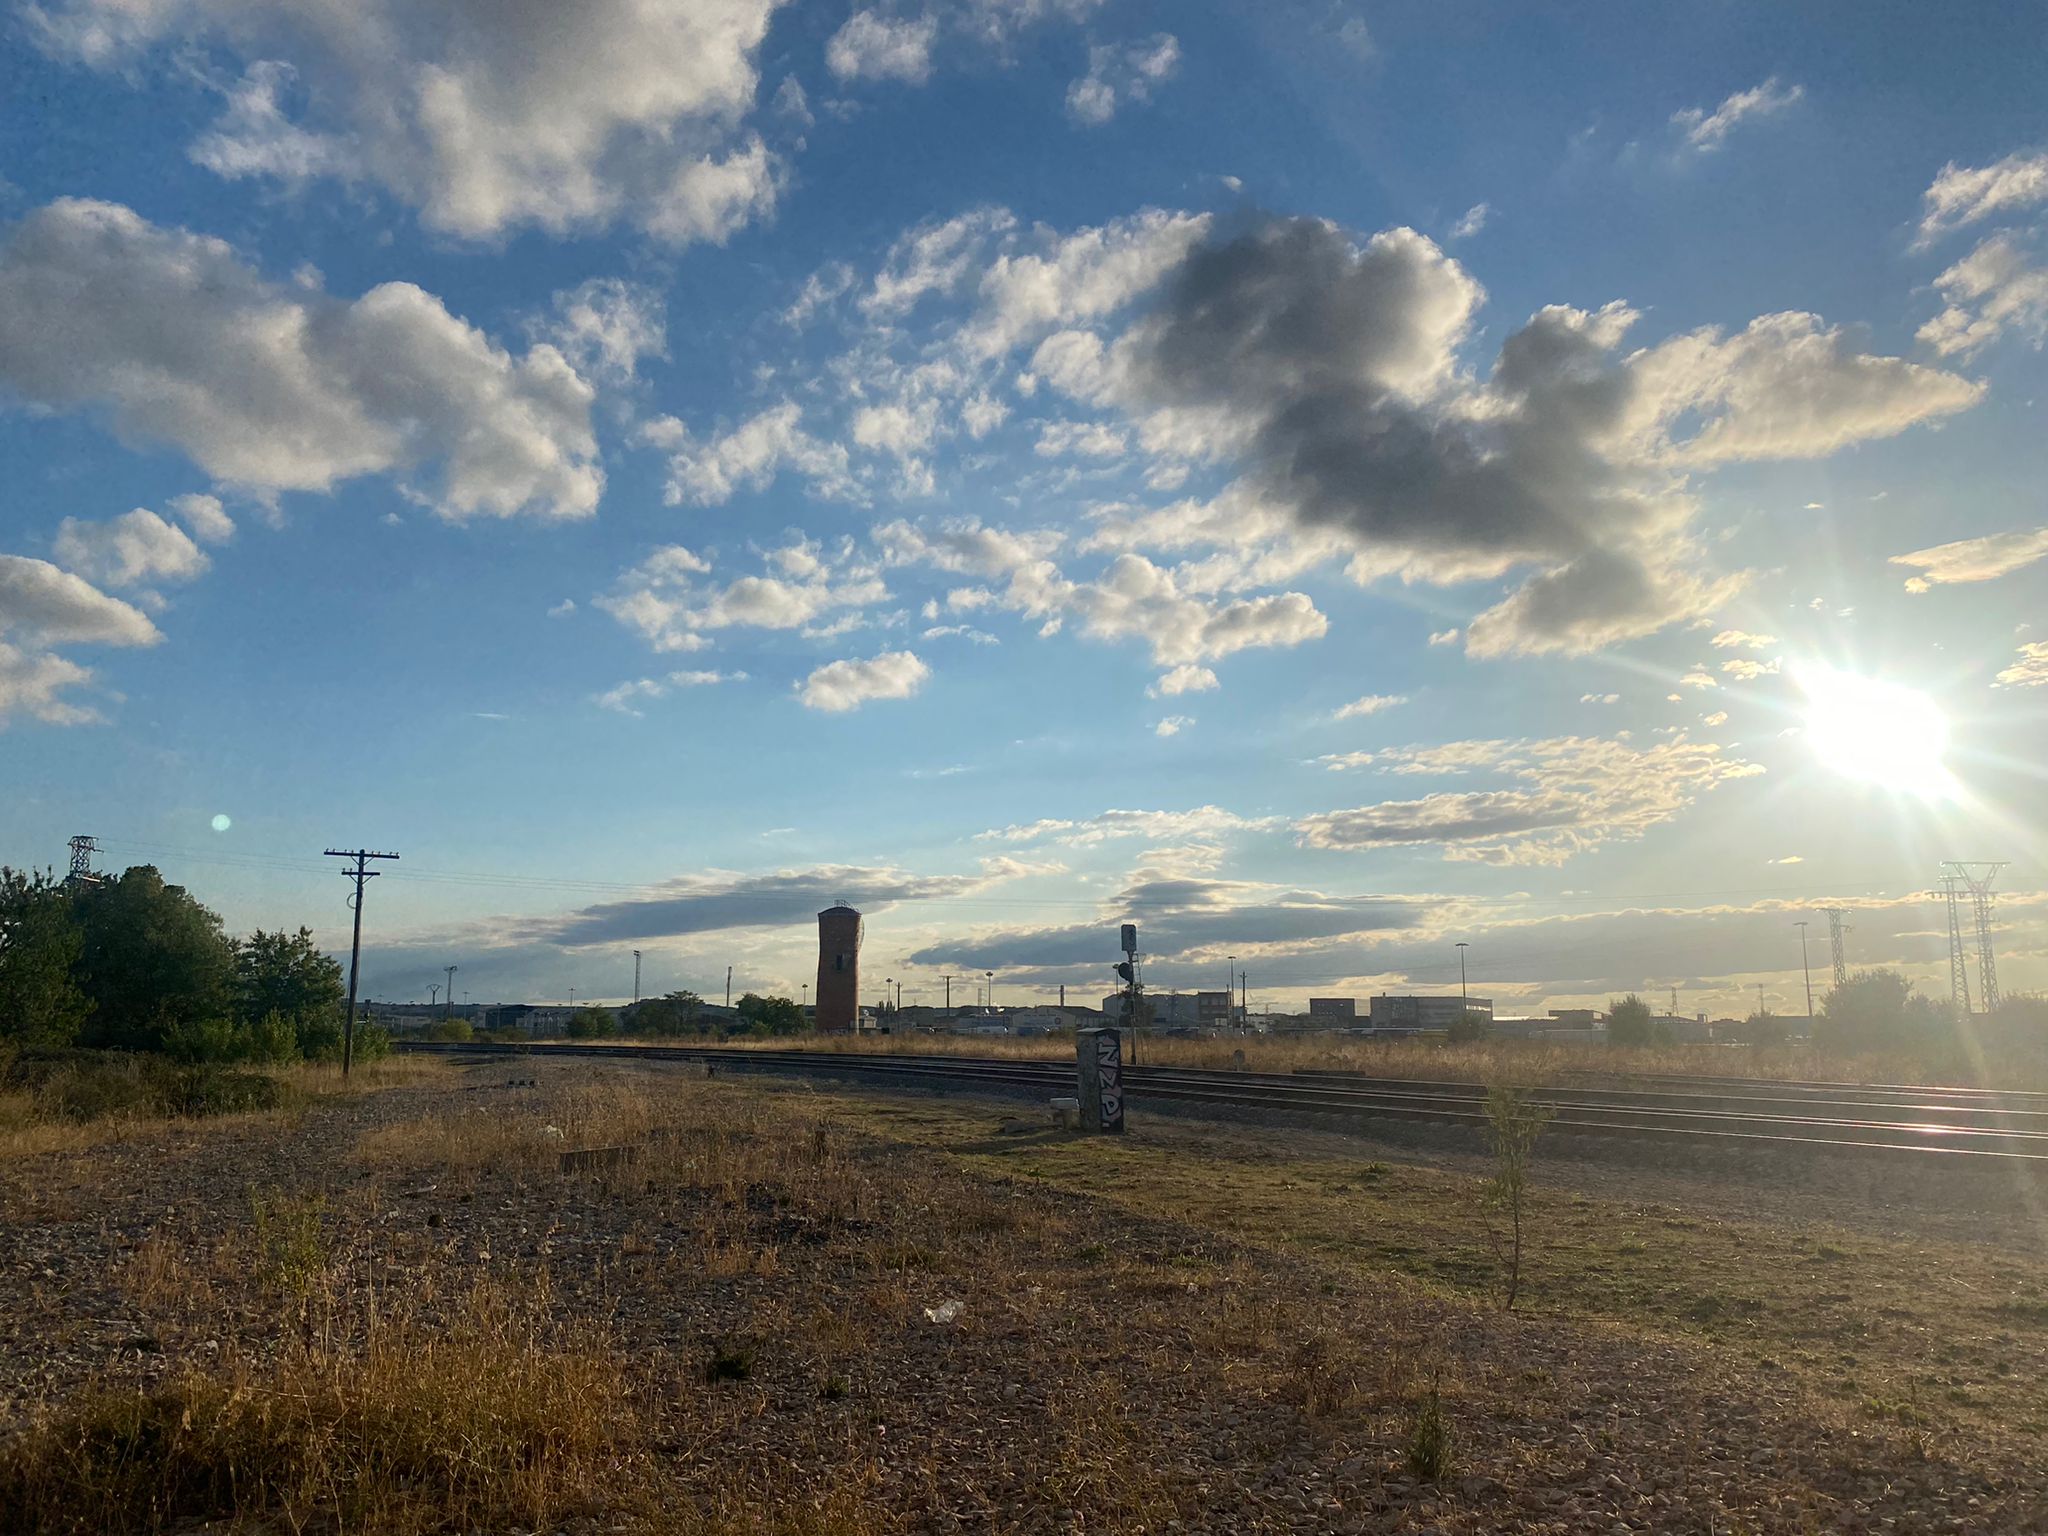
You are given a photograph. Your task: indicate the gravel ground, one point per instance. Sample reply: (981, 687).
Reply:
(1135, 1375)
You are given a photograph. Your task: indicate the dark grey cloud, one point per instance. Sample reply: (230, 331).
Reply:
(1179, 918)
(1331, 367)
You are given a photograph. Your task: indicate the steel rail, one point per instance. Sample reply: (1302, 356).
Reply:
(1596, 1113)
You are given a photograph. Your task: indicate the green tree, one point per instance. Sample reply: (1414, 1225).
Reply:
(1877, 1010)
(770, 1015)
(1469, 1027)
(40, 1001)
(1765, 1028)
(151, 959)
(662, 1017)
(285, 975)
(593, 1024)
(1630, 1022)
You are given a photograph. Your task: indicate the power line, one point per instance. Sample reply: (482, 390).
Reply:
(360, 873)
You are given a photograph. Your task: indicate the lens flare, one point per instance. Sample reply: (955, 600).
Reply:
(222, 822)
(1880, 732)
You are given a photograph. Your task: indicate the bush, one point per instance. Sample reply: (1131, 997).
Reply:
(1469, 1027)
(1630, 1022)
(593, 1024)
(452, 1030)
(82, 1086)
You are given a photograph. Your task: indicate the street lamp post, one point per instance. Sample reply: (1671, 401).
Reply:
(1462, 947)
(1806, 965)
(991, 990)
(1230, 992)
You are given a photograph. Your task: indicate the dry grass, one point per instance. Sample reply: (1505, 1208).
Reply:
(478, 1418)
(1522, 1061)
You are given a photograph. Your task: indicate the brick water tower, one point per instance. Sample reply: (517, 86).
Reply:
(839, 935)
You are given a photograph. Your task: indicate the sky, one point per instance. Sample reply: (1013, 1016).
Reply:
(1326, 482)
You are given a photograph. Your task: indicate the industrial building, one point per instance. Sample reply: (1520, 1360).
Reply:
(1387, 1011)
(838, 996)
(1333, 1010)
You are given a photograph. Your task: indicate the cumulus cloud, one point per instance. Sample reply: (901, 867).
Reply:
(42, 606)
(483, 117)
(839, 686)
(1119, 74)
(128, 551)
(1742, 640)
(1172, 725)
(1744, 670)
(1183, 679)
(1329, 369)
(708, 471)
(204, 518)
(1570, 795)
(666, 602)
(280, 388)
(1997, 288)
(2031, 670)
(605, 326)
(1963, 195)
(1985, 558)
(871, 46)
(1471, 222)
(1706, 130)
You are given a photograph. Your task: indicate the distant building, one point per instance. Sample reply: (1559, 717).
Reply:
(839, 934)
(1214, 1010)
(1575, 1018)
(1387, 1011)
(1335, 1010)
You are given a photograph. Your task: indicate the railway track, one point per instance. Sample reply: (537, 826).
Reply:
(1909, 1123)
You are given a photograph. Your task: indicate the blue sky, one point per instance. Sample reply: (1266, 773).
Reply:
(1324, 480)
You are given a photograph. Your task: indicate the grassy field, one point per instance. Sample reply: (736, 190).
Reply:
(758, 1309)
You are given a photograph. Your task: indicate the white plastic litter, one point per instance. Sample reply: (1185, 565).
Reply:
(944, 1312)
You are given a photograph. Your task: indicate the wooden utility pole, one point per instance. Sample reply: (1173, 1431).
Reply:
(359, 873)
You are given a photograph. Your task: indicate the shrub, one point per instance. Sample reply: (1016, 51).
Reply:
(451, 1029)
(1513, 1122)
(1630, 1022)
(1469, 1027)
(593, 1024)
(1429, 1441)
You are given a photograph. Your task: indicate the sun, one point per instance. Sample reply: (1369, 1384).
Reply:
(1883, 733)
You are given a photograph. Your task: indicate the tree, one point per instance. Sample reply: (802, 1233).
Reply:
(1876, 1010)
(1765, 1028)
(770, 1015)
(1630, 1022)
(286, 975)
(40, 1002)
(593, 1024)
(1513, 1122)
(1469, 1027)
(151, 958)
(674, 1014)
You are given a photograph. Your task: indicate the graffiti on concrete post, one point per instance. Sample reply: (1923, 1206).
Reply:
(1109, 1072)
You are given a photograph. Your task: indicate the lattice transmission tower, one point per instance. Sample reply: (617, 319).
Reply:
(82, 850)
(1838, 950)
(1958, 964)
(1960, 875)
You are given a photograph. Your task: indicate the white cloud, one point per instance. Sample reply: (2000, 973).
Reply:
(1995, 289)
(871, 46)
(1706, 130)
(1204, 822)
(1961, 195)
(1718, 718)
(1183, 679)
(1985, 558)
(1744, 670)
(960, 632)
(1118, 74)
(1697, 678)
(1086, 439)
(605, 326)
(1571, 795)
(1473, 221)
(1370, 704)
(2031, 670)
(1742, 639)
(483, 117)
(1599, 698)
(1079, 279)
(204, 518)
(623, 698)
(707, 472)
(819, 289)
(1172, 725)
(286, 388)
(839, 686)
(1445, 636)
(662, 600)
(128, 551)
(563, 609)
(42, 606)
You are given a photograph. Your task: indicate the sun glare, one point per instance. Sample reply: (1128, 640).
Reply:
(1880, 732)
